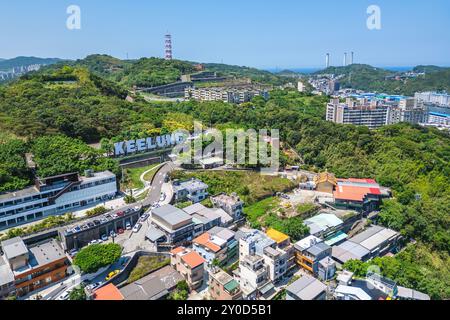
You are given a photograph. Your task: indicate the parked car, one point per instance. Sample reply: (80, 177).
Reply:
(97, 222)
(84, 227)
(104, 237)
(76, 229)
(93, 286)
(114, 216)
(91, 225)
(128, 226)
(144, 217)
(112, 275)
(104, 220)
(73, 253)
(64, 296)
(93, 242)
(112, 234)
(137, 227)
(120, 231)
(162, 197)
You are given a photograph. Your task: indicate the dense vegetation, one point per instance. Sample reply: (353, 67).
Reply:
(14, 173)
(96, 256)
(368, 78)
(59, 154)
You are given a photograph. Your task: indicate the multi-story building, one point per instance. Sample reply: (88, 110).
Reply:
(192, 190)
(217, 246)
(309, 252)
(442, 99)
(409, 110)
(256, 243)
(172, 225)
(203, 218)
(373, 115)
(190, 265)
(439, 119)
(54, 196)
(231, 204)
(283, 245)
(253, 275)
(32, 267)
(229, 95)
(222, 286)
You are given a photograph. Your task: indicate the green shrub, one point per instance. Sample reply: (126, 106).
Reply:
(94, 257)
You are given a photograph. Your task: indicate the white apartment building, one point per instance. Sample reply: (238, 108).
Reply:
(257, 243)
(372, 115)
(54, 196)
(442, 99)
(229, 95)
(409, 110)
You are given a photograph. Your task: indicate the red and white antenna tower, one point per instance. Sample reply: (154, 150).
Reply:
(169, 55)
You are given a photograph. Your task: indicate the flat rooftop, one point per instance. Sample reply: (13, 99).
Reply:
(190, 185)
(14, 247)
(6, 275)
(47, 252)
(171, 215)
(307, 288)
(154, 286)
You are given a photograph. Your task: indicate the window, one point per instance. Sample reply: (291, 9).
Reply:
(39, 215)
(11, 222)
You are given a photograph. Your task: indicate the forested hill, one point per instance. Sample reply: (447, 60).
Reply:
(368, 78)
(149, 72)
(72, 101)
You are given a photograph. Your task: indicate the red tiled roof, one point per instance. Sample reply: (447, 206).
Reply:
(193, 259)
(204, 240)
(108, 292)
(354, 193)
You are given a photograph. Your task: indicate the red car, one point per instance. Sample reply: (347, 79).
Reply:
(120, 214)
(120, 231)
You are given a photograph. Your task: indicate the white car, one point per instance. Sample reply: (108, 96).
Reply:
(94, 242)
(128, 226)
(137, 227)
(163, 197)
(64, 296)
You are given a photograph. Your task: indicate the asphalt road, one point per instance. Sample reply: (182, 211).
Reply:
(158, 180)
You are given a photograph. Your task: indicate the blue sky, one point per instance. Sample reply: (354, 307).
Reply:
(258, 33)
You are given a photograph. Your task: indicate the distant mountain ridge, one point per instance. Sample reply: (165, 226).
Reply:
(368, 78)
(8, 64)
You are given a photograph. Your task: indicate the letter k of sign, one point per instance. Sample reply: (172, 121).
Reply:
(118, 149)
